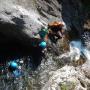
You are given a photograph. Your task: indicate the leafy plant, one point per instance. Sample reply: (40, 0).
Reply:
(68, 86)
(64, 87)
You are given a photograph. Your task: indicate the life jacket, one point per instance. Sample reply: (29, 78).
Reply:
(43, 33)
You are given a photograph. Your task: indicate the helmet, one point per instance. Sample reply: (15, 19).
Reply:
(55, 24)
(13, 64)
(43, 44)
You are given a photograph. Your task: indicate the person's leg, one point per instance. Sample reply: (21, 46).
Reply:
(52, 37)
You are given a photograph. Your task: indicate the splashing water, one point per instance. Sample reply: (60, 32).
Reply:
(87, 54)
(77, 49)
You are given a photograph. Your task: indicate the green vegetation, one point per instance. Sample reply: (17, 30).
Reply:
(64, 87)
(68, 86)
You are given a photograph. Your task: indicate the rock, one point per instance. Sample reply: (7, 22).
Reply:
(26, 17)
(67, 78)
(49, 10)
(16, 27)
(19, 19)
(87, 25)
(86, 68)
(18, 15)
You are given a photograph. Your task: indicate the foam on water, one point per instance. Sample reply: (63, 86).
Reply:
(77, 49)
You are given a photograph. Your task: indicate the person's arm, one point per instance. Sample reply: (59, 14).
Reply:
(35, 41)
(60, 33)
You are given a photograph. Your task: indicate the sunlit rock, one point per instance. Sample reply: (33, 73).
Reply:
(67, 78)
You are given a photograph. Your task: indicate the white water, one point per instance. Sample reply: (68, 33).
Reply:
(77, 49)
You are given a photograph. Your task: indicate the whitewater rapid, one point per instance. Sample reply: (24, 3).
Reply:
(77, 49)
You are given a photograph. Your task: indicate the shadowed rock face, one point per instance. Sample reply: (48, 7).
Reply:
(15, 43)
(20, 18)
(13, 38)
(15, 30)
(17, 25)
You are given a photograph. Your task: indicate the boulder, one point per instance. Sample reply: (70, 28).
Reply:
(67, 78)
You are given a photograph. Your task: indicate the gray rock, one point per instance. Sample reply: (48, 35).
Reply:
(17, 25)
(67, 78)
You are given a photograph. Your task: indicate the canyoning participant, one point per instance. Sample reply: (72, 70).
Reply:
(56, 30)
(14, 69)
(44, 33)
